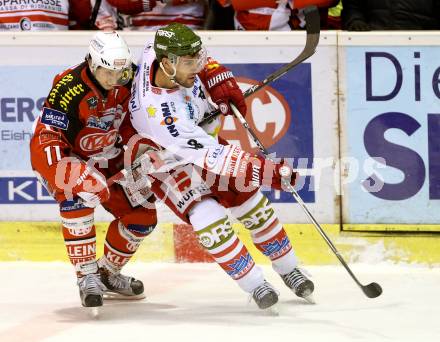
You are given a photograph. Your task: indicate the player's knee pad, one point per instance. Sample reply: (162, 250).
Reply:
(212, 225)
(256, 214)
(77, 220)
(128, 238)
(140, 222)
(206, 212)
(134, 234)
(123, 241)
(125, 235)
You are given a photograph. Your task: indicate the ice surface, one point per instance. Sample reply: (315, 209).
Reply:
(198, 302)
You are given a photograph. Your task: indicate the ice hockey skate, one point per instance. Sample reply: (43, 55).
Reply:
(120, 286)
(91, 291)
(299, 284)
(266, 297)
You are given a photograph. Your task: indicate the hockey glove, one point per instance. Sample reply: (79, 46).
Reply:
(79, 179)
(222, 87)
(270, 173)
(250, 170)
(93, 189)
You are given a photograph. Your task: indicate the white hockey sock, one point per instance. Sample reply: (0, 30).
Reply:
(210, 222)
(267, 233)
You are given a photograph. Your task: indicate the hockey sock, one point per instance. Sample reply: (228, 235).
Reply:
(267, 233)
(216, 235)
(79, 237)
(121, 243)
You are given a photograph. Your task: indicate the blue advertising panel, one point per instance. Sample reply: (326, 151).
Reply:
(23, 190)
(281, 116)
(22, 93)
(393, 113)
(21, 97)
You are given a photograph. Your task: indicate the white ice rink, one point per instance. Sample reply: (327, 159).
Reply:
(197, 302)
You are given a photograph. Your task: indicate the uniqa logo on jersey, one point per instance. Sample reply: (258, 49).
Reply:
(268, 114)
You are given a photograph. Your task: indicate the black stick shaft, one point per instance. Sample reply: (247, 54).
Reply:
(372, 290)
(312, 39)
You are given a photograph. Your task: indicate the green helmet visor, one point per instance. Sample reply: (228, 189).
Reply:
(189, 64)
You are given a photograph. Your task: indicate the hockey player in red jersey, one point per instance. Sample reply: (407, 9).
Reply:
(198, 177)
(75, 147)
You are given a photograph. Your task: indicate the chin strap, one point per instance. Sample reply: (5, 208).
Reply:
(172, 77)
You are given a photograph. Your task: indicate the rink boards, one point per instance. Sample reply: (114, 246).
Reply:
(43, 241)
(359, 120)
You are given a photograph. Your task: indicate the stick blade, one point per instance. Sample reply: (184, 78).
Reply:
(372, 290)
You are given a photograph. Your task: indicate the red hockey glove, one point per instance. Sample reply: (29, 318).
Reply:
(79, 179)
(250, 170)
(222, 87)
(267, 172)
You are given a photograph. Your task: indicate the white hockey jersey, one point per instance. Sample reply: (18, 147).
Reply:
(171, 117)
(36, 15)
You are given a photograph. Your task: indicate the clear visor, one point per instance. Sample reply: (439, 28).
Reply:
(191, 64)
(115, 77)
(124, 76)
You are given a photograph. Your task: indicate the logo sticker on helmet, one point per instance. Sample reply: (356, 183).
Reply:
(163, 33)
(97, 44)
(119, 62)
(162, 47)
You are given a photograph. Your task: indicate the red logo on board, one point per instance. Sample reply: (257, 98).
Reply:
(268, 114)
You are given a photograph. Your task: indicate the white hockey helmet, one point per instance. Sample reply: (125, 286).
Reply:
(109, 50)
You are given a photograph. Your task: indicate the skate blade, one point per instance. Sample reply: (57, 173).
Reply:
(93, 311)
(272, 311)
(310, 299)
(118, 296)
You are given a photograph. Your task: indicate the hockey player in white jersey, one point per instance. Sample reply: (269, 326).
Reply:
(198, 177)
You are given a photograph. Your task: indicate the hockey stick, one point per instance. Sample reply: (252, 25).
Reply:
(372, 290)
(312, 28)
